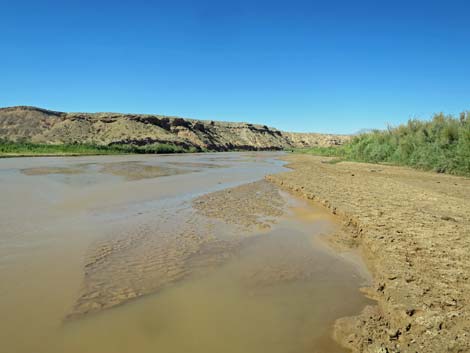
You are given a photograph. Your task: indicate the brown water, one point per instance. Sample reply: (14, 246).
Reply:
(106, 254)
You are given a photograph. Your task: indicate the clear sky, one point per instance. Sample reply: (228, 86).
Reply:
(326, 66)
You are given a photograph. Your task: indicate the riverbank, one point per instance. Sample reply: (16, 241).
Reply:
(412, 228)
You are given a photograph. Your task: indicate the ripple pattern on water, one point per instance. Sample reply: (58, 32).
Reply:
(143, 259)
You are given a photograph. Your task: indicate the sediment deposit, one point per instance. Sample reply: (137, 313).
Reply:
(250, 205)
(46, 126)
(413, 230)
(147, 257)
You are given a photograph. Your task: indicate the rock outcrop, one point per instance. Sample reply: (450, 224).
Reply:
(46, 126)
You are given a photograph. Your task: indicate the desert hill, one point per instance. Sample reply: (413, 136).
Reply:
(46, 126)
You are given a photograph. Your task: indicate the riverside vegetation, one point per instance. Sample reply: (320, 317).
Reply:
(10, 148)
(441, 144)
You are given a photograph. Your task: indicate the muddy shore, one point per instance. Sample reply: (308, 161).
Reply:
(412, 229)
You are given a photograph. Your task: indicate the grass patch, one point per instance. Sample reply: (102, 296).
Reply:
(441, 144)
(9, 148)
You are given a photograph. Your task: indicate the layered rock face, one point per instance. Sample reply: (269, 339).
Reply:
(45, 126)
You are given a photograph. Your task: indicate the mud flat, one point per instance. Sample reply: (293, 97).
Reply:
(413, 231)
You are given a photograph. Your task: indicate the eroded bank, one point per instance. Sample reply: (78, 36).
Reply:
(413, 230)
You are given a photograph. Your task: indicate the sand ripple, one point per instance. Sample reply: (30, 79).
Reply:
(146, 258)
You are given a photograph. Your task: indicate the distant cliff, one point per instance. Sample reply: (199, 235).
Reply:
(46, 126)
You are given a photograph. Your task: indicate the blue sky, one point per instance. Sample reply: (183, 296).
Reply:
(326, 66)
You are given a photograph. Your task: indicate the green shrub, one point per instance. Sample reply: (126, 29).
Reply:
(441, 144)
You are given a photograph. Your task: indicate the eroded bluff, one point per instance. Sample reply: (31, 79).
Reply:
(46, 126)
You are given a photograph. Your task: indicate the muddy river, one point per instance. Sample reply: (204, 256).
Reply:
(170, 253)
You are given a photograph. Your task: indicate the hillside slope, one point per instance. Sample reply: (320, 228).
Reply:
(45, 126)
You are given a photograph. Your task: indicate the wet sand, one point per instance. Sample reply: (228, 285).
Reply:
(170, 253)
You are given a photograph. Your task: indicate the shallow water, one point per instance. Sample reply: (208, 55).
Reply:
(106, 254)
